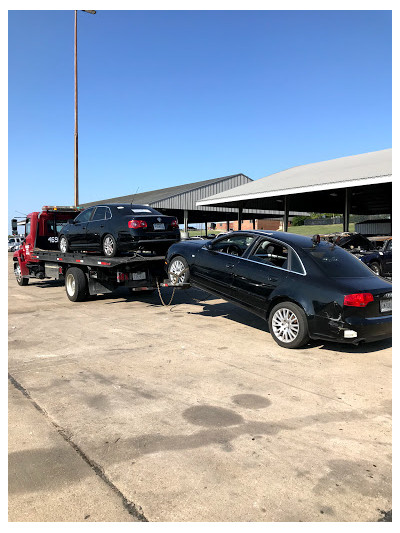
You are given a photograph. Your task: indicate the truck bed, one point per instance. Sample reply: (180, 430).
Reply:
(95, 260)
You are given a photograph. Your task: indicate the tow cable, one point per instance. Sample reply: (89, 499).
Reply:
(175, 282)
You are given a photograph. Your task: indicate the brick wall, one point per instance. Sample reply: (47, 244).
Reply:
(266, 223)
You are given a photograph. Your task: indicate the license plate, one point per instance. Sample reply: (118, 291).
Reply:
(138, 275)
(159, 226)
(386, 303)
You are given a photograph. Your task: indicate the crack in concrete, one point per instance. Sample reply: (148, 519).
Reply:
(132, 509)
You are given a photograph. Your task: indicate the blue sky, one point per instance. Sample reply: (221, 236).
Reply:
(172, 97)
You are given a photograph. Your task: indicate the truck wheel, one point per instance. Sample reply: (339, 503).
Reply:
(76, 284)
(18, 276)
(178, 270)
(376, 268)
(63, 245)
(109, 246)
(288, 325)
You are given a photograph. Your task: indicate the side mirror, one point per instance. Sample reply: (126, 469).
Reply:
(209, 245)
(71, 221)
(14, 224)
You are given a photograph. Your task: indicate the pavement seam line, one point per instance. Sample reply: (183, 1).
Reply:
(99, 471)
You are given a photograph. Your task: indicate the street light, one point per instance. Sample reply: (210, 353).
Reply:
(76, 195)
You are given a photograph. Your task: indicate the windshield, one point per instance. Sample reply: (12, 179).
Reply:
(338, 263)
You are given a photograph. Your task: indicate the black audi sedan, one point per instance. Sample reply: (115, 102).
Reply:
(304, 287)
(113, 228)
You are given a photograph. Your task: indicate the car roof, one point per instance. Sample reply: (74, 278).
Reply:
(289, 238)
(136, 206)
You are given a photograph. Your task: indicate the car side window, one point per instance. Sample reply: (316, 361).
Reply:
(233, 244)
(85, 215)
(100, 213)
(389, 246)
(271, 253)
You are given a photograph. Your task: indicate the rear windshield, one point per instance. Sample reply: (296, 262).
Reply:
(338, 263)
(128, 209)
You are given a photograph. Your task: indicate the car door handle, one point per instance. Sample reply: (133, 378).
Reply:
(229, 266)
(272, 279)
(102, 225)
(257, 284)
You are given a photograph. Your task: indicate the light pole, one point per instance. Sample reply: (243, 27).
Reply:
(76, 194)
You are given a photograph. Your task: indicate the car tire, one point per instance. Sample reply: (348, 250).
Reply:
(109, 246)
(178, 265)
(76, 284)
(375, 267)
(288, 325)
(18, 276)
(63, 244)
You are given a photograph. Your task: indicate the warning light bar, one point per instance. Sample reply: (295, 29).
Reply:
(60, 208)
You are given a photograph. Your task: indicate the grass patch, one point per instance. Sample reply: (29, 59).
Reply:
(322, 229)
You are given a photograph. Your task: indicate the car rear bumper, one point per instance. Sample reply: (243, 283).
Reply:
(154, 242)
(371, 329)
(364, 329)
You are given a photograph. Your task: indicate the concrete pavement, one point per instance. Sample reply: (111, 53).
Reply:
(192, 413)
(49, 481)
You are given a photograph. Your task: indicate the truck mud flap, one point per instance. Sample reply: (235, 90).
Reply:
(99, 287)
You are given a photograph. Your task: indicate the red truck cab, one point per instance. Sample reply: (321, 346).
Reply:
(41, 233)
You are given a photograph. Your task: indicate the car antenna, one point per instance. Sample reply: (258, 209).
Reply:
(134, 196)
(20, 213)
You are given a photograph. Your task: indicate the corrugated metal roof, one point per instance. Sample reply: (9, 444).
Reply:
(355, 170)
(159, 195)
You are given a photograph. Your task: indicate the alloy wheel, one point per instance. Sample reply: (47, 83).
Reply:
(63, 245)
(108, 246)
(285, 325)
(176, 269)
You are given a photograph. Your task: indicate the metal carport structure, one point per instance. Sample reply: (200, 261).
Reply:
(358, 184)
(181, 201)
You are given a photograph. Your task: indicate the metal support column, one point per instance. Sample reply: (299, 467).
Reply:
(205, 224)
(185, 220)
(286, 214)
(346, 213)
(227, 225)
(76, 186)
(240, 211)
(254, 223)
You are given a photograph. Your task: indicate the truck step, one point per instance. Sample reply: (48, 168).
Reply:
(167, 283)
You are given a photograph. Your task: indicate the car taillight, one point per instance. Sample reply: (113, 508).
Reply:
(361, 299)
(135, 224)
(174, 223)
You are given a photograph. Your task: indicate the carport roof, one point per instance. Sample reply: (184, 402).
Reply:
(371, 168)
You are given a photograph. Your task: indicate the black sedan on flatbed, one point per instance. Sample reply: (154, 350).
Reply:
(304, 287)
(114, 228)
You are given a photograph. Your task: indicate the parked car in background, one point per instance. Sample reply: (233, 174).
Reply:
(114, 228)
(380, 261)
(303, 287)
(14, 243)
(376, 252)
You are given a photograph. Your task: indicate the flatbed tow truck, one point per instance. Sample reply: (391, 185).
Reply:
(85, 274)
